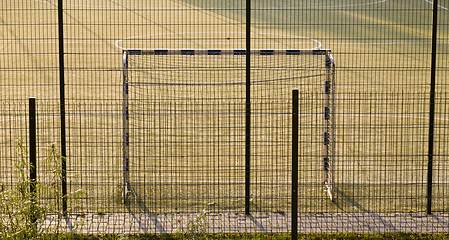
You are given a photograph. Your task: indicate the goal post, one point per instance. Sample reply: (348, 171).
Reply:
(329, 127)
(187, 108)
(125, 114)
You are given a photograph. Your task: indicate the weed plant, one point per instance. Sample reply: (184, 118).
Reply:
(22, 212)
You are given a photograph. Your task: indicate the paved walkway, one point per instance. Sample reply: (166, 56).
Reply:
(128, 223)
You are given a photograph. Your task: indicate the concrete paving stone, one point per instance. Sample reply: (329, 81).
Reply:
(230, 222)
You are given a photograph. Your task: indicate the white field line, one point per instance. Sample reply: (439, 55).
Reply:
(243, 114)
(198, 8)
(446, 9)
(385, 116)
(270, 182)
(386, 43)
(225, 43)
(343, 5)
(252, 182)
(117, 6)
(43, 42)
(337, 43)
(67, 116)
(227, 83)
(117, 43)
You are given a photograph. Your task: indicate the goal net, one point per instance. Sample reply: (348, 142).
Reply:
(184, 121)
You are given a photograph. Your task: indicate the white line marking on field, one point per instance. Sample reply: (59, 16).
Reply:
(348, 5)
(271, 182)
(438, 5)
(386, 116)
(110, 7)
(242, 182)
(35, 42)
(243, 114)
(199, 8)
(334, 43)
(387, 43)
(67, 116)
(117, 43)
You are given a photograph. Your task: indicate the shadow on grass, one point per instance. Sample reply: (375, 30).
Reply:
(136, 207)
(344, 200)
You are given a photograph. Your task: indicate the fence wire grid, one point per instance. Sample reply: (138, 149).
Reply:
(191, 159)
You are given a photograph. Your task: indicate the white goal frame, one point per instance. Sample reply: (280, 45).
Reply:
(328, 155)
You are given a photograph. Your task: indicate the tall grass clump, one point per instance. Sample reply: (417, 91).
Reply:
(22, 212)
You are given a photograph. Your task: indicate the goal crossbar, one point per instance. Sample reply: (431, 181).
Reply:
(236, 52)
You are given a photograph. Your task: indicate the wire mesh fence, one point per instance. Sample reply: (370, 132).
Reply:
(189, 146)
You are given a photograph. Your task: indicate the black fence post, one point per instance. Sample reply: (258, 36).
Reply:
(62, 106)
(295, 141)
(248, 110)
(432, 108)
(33, 155)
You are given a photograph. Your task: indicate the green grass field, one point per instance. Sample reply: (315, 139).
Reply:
(382, 51)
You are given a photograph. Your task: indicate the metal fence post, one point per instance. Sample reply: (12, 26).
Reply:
(33, 152)
(295, 137)
(62, 106)
(432, 108)
(248, 110)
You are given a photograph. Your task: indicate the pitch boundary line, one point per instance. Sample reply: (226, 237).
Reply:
(446, 9)
(340, 6)
(117, 42)
(386, 116)
(198, 8)
(243, 114)
(48, 42)
(335, 43)
(253, 182)
(388, 43)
